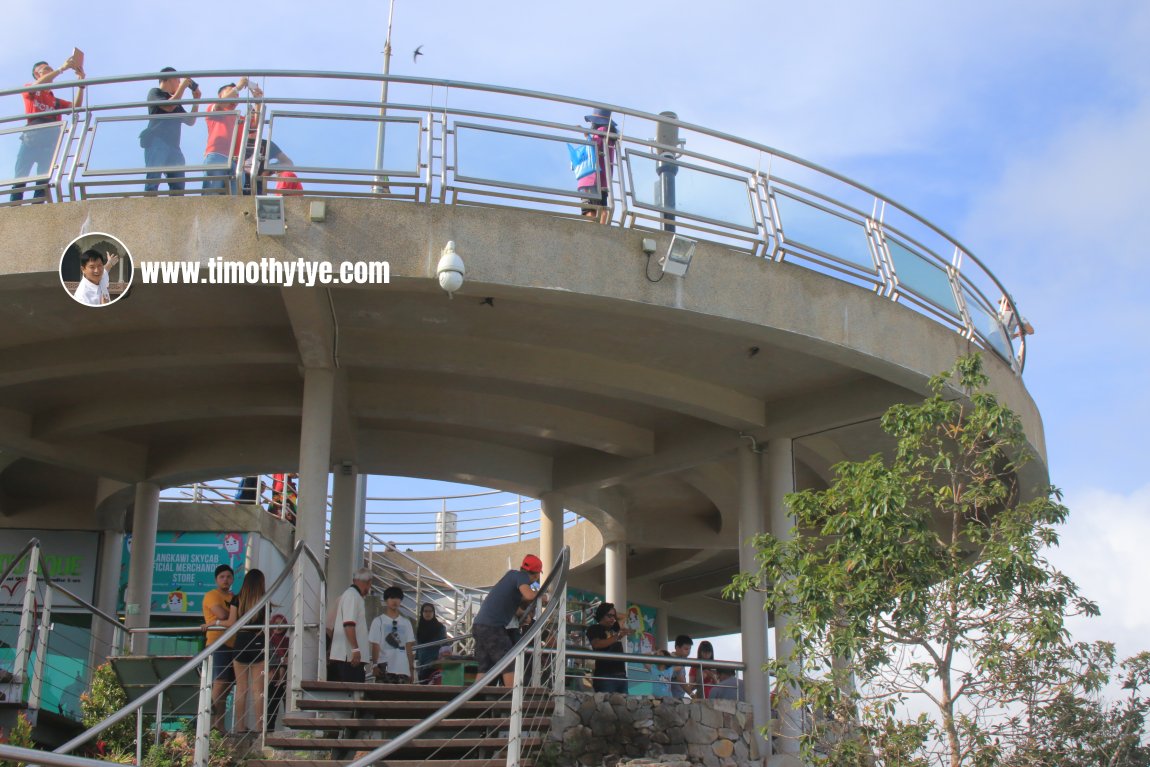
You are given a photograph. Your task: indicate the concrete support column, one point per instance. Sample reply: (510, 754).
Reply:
(752, 616)
(616, 586)
(138, 599)
(550, 531)
(314, 465)
(780, 481)
(662, 637)
(347, 521)
(107, 592)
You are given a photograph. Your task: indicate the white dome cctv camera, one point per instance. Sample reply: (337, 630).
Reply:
(450, 270)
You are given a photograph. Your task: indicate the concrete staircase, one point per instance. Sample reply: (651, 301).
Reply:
(339, 721)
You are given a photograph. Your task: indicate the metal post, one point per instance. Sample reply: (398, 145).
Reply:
(204, 715)
(537, 650)
(515, 730)
(27, 618)
(519, 518)
(41, 652)
(559, 669)
(140, 735)
(380, 186)
(295, 648)
(159, 717)
(667, 135)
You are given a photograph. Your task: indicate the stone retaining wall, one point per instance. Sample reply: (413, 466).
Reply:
(605, 729)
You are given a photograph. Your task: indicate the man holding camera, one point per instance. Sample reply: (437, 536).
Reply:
(392, 641)
(161, 139)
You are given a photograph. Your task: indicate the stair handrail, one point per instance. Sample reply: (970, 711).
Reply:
(16, 559)
(301, 549)
(50, 758)
(391, 547)
(559, 577)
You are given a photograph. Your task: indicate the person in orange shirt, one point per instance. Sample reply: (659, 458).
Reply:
(225, 135)
(217, 612)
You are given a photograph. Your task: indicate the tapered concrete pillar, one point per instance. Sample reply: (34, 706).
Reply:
(752, 617)
(780, 481)
(314, 465)
(662, 637)
(107, 593)
(550, 531)
(138, 599)
(348, 501)
(616, 586)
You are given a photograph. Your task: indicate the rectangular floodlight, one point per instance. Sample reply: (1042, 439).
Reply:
(270, 215)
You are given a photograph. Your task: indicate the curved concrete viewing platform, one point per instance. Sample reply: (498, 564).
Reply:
(670, 412)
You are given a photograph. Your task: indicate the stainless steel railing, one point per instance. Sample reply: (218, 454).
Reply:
(422, 523)
(451, 142)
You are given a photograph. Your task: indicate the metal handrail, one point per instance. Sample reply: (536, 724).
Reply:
(301, 549)
(555, 581)
(963, 280)
(32, 543)
(391, 548)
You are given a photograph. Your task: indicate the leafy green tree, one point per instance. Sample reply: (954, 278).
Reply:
(922, 577)
(1078, 727)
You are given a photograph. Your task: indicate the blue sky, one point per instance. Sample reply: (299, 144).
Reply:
(1021, 128)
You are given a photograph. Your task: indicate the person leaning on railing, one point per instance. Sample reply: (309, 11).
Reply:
(500, 607)
(37, 146)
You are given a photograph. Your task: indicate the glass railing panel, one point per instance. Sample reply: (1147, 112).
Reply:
(114, 145)
(817, 229)
(700, 193)
(925, 278)
(35, 142)
(512, 158)
(987, 324)
(348, 143)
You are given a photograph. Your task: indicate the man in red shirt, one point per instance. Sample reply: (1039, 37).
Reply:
(39, 144)
(222, 131)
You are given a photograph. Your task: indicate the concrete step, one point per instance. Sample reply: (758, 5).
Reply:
(349, 723)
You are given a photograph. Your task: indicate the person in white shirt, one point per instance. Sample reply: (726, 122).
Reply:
(349, 644)
(93, 287)
(392, 641)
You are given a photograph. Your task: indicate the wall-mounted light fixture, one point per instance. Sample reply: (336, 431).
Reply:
(270, 215)
(678, 256)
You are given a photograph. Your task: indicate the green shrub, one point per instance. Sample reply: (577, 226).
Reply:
(104, 698)
(20, 736)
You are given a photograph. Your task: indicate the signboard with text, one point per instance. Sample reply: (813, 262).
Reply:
(185, 566)
(67, 556)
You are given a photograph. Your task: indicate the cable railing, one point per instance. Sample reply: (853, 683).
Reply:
(52, 643)
(535, 690)
(455, 605)
(181, 690)
(448, 142)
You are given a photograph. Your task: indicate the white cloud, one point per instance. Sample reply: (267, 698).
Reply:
(1104, 550)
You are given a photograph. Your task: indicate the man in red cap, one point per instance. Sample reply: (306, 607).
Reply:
(498, 609)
